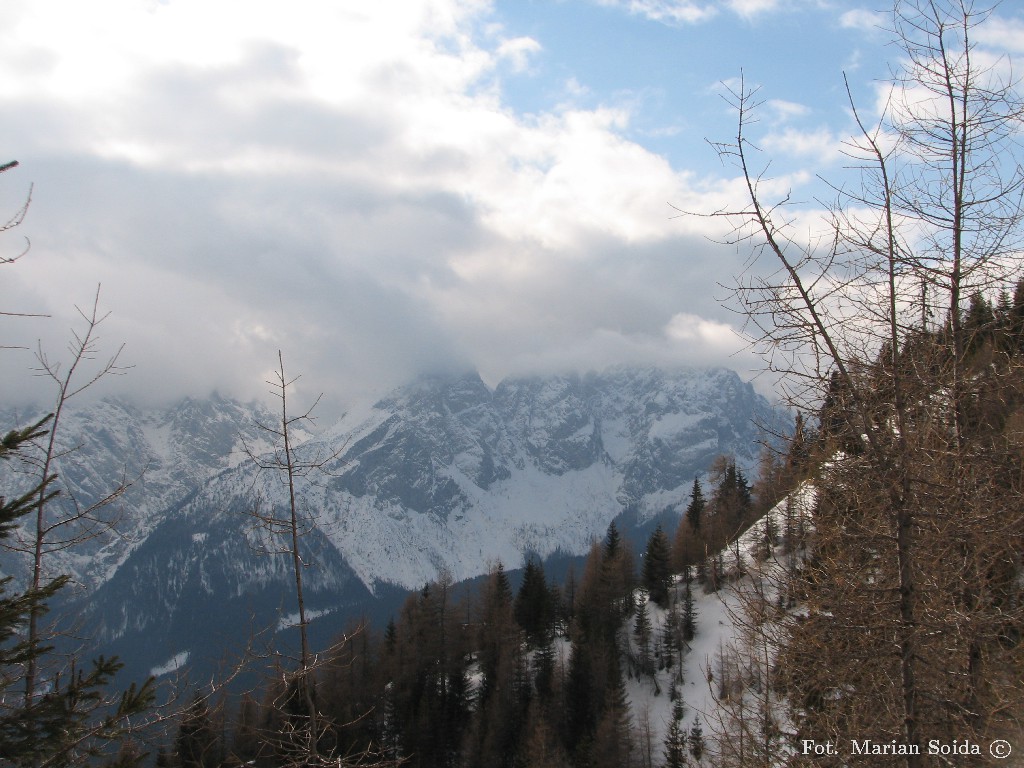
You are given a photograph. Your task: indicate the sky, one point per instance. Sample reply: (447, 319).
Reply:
(390, 188)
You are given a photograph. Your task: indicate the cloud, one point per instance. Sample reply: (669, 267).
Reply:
(347, 186)
(1001, 33)
(819, 144)
(667, 11)
(750, 8)
(786, 110)
(865, 20)
(682, 12)
(518, 51)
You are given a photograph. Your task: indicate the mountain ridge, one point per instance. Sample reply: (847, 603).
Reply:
(443, 476)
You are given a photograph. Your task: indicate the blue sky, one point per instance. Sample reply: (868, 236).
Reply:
(667, 71)
(385, 188)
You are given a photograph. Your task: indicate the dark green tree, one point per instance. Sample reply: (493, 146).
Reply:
(642, 632)
(612, 541)
(613, 741)
(696, 739)
(657, 568)
(675, 739)
(689, 618)
(534, 608)
(1016, 319)
(695, 509)
(581, 700)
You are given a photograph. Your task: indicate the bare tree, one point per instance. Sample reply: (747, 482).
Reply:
(76, 523)
(906, 546)
(284, 530)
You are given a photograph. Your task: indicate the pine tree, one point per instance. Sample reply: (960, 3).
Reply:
(696, 739)
(798, 455)
(1016, 319)
(675, 739)
(617, 578)
(496, 630)
(581, 703)
(544, 671)
(688, 545)
(613, 742)
(245, 740)
(642, 635)
(657, 568)
(534, 608)
(612, 541)
(197, 743)
(695, 509)
(671, 638)
(979, 324)
(689, 619)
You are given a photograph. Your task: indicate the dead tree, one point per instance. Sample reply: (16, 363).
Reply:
(284, 531)
(923, 480)
(75, 523)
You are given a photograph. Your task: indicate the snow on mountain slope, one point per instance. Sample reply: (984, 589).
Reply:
(446, 474)
(720, 632)
(443, 475)
(161, 456)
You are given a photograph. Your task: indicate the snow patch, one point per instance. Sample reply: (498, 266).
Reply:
(176, 662)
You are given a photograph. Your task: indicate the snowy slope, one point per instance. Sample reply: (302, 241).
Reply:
(720, 617)
(160, 456)
(446, 474)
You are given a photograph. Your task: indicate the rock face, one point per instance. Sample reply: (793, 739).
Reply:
(445, 474)
(159, 456)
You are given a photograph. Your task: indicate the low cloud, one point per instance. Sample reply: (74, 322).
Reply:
(350, 189)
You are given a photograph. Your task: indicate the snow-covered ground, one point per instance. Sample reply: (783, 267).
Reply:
(720, 618)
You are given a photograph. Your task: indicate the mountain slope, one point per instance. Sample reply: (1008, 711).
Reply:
(442, 476)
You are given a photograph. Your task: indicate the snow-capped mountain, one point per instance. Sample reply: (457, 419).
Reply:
(143, 462)
(449, 474)
(443, 475)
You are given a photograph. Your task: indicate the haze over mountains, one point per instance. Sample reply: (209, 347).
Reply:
(443, 475)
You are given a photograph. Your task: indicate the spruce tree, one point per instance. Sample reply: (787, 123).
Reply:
(670, 638)
(612, 541)
(613, 742)
(696, 739)
(197, 743)
(689, 619)
(657, 568)
(642, 635)
(1016, 321)
(544, 671)
(675, 739)
(695, 509)
(534, 608)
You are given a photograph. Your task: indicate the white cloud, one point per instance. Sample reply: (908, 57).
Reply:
(750, 8)
(518, 51)
(786, 110)
(668, 11)
(347, 185)
(1001, 33)
(693, 329)
(862, 19)
(820, 144)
